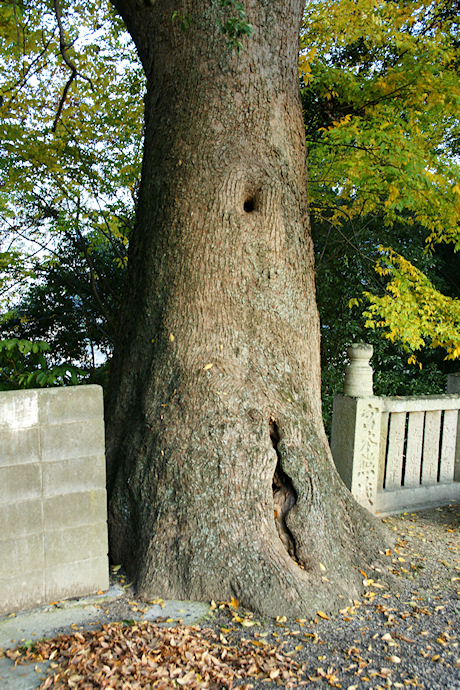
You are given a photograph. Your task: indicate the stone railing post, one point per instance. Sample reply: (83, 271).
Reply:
(358, 374)
(356, 428)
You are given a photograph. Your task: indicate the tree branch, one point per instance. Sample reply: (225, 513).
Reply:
(71, 65)
(63, 99)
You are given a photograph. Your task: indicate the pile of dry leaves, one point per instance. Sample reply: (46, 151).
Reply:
(145, 655)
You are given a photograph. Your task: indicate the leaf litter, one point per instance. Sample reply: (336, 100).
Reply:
(146, 655)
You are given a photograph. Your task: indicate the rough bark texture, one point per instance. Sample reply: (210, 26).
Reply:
(221, 482)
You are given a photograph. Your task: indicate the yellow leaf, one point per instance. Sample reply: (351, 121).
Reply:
(321, 614)
(208, 366)
(323, 568)
(171, 337)
(158, 601)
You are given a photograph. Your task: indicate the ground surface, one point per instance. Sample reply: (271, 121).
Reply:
(404, 637)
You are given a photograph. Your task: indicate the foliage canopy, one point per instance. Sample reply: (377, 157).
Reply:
(381, 96)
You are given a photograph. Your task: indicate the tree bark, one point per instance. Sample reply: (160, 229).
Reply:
(221, 482)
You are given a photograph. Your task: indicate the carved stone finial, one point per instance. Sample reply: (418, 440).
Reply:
(359, 374)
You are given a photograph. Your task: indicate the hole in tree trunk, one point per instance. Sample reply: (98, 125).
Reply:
(284, 495)
(252, 200)
(249, 205)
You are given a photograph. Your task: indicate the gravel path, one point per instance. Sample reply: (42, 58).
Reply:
(399, 638)
(405, 639)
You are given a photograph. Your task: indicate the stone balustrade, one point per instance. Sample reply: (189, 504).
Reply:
(395, 453)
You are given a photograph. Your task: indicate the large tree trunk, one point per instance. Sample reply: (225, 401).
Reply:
(221, 482)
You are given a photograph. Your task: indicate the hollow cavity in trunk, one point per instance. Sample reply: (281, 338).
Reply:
(284, 495)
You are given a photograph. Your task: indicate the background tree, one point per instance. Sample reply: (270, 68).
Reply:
(63, 308)
(345, 261)
(70, 143)
(381, 92)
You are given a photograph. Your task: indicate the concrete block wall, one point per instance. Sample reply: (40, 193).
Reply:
(53, 514)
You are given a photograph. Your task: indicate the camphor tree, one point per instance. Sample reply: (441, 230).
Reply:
(221, 482)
